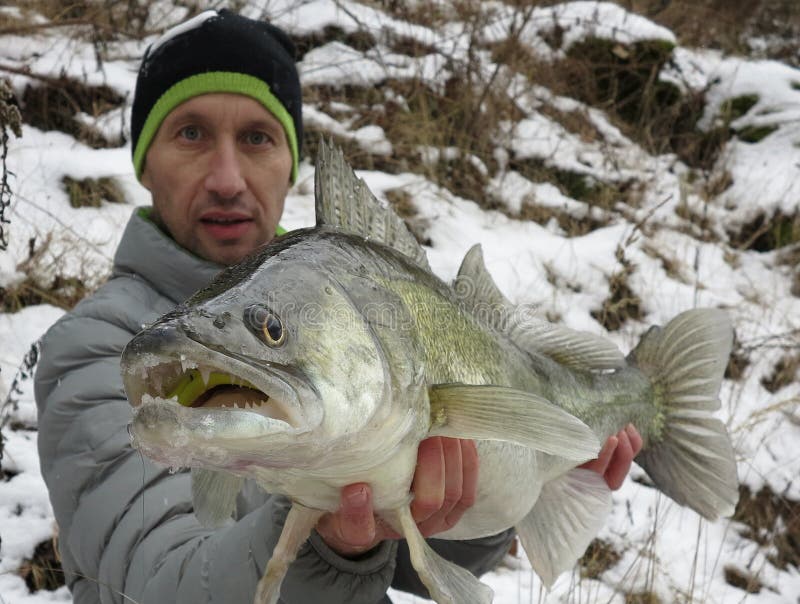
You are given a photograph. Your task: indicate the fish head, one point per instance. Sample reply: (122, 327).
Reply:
(267, 371)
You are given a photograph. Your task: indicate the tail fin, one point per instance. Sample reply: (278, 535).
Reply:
(690, 457)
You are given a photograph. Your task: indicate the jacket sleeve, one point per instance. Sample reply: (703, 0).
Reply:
(127, 529)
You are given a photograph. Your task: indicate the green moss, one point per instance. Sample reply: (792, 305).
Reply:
(576, 185)
(786, 232)
(795, 85)
(754, 134)
(766, 233)
(734, 108)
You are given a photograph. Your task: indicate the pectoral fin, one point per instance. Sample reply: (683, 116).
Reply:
(214, 496)
(446, 582)
(299, 523)
(568, 514)
(501, 413)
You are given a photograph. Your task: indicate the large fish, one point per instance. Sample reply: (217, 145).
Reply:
(328, 355)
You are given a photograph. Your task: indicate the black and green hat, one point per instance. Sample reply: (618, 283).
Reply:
(217, 51)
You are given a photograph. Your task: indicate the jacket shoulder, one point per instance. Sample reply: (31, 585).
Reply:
(98, 327)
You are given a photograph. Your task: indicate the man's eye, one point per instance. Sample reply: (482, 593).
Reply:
(190, 133)
(256, 138)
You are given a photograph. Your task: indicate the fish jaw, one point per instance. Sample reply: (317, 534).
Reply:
(209, 433)
(216, 438)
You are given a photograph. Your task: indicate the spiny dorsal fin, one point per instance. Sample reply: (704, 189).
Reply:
(344, 201)
(479, 295)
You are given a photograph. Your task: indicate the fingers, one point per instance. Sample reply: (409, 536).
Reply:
(357, 522)
(469, 482)
(620, 463)
(428, 484)
(438, 500)
(635, 438)
(351, 530)
(600, 465)
(445, 483)
(616, 456)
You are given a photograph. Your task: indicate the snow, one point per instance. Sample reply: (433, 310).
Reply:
(678, 264)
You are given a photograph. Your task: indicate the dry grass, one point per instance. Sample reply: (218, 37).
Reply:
(54, 104)
(359, 40)
(100, 20)
(772, 521)
(403, 204)
(43, 570)
(765, 233)
(571, 224)
(738, 363)
(47, 281)
(622, 303)
(598, 558)
(642, 597)
(623, 80)
(92, 192)
(728, 25)
(672, 267)
(785, 372)
(789, 256)
(742, 579)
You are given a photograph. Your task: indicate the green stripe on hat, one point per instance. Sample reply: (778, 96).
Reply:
(209, 82)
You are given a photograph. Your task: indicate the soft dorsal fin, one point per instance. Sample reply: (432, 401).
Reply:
(344, 201)
(474, 286)
(577, 349)
(479, 295)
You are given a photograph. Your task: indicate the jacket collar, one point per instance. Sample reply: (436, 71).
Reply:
(149, 253)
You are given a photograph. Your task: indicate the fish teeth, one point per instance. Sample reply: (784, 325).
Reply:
(205, 374)
(186, 365)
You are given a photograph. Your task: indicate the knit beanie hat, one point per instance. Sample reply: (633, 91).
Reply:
(217, 51)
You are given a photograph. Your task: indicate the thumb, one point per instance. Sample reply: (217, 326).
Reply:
(351, 529)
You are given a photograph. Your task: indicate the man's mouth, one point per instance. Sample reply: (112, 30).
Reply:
(226, 226)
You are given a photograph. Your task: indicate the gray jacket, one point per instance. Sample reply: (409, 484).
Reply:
(126, 525)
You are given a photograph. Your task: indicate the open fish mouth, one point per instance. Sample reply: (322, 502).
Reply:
(208, 387)
(220, 382)
(223, 411)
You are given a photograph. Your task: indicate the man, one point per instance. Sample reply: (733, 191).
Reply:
(217, 129)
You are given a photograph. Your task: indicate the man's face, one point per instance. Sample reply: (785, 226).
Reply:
(219, 170)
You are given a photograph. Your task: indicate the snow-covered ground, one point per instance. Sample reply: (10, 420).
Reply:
(679, 264)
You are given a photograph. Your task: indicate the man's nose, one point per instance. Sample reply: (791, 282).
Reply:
(225, 177)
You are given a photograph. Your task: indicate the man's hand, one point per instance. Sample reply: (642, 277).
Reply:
(614, 461)
(444, 486)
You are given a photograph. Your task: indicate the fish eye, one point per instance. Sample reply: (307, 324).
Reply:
(266, 324)
(273, 330)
